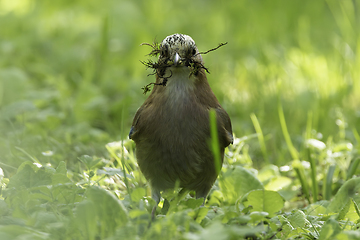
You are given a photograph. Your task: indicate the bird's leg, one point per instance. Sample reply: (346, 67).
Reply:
(203, 194)
(203, 204)
(155, 194)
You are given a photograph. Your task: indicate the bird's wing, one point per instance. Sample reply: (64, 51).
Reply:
(135, 125)
(131, 131)
(224, 126)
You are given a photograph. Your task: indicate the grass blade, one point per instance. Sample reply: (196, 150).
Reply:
(293, 151)
(260, 136)
(328, 182)
(300, 172)
(215, 141)
(353, 166)
(314, 188)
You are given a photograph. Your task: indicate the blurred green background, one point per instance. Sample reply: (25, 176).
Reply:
(71, 77)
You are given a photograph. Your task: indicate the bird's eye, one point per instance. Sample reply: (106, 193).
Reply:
(164, 51)
(193, 51)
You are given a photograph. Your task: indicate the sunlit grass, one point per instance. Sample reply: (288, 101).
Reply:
(20, 7)
(70, 83)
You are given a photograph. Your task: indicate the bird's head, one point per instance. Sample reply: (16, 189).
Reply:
(177, 54)
(179, 50)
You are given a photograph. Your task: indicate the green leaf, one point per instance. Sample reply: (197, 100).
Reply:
(29, 175)
(21, 232)
(67, 193)
(198, 214)
(4, 210)
(297, 219)
(268, 172)
(237, 182)
(109, 210)
(90, 162)
(137, 213)
(344, 210)
(257, 216)
(61, 168)
(137, 194)
(113, 171)
(14, 80)
(318, 208)
(342, 197)
(278, 183)
(356, 207)
(265, 201)
(86, 219)
(16, 108)
(167, 206)
(348, 235)
(214, 231)
(59, 179)
(193, 203)
(44, 219)
(246, 231)
(330, 229)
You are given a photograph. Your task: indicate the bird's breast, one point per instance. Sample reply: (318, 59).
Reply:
(177, 133)
(180, 87)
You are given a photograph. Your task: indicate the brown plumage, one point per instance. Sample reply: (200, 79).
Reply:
(171, 129)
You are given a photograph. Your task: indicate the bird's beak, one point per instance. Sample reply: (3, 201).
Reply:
(177, 59)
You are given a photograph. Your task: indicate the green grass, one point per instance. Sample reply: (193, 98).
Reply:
(70, 84)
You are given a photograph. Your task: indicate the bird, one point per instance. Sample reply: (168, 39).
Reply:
(171, 129)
